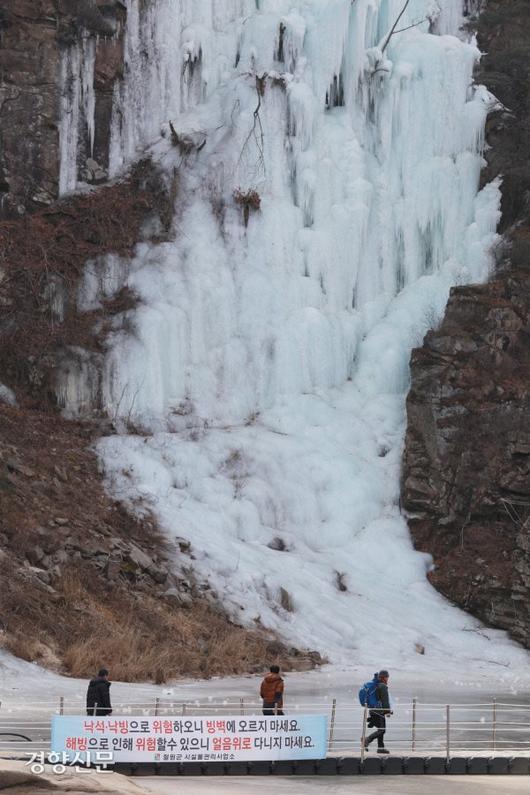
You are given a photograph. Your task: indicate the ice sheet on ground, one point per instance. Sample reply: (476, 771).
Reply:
(27, 684)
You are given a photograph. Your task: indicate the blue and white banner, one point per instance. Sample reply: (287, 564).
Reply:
(190, 739)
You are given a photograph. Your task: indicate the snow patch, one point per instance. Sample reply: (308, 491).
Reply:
(7, 396)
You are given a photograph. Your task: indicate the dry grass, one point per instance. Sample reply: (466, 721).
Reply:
(174, 649)
(138, 639)
(158, 642)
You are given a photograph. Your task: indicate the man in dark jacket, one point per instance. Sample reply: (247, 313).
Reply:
(378, 716)
(271, 691)
(98, 695)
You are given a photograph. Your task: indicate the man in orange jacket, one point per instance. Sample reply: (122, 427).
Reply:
(271, 691)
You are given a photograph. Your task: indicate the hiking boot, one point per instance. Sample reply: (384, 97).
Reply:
(383, 751)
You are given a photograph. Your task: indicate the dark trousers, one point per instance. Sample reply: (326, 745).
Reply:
(268, 708)
(378, 720)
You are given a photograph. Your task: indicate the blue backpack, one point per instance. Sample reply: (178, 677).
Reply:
(368, 694)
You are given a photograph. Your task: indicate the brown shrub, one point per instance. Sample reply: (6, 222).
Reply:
(21, 645)
(248, 200)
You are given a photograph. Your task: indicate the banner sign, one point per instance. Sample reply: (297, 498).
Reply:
(190, 739)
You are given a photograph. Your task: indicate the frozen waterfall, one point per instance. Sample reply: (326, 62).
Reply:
(268, 361)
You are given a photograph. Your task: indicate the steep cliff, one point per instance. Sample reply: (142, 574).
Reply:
(466, 475)
(81, 580)
(36, 37)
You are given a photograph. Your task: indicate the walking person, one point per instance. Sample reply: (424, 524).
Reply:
(98, 695)
(271, 691)
(374, 695)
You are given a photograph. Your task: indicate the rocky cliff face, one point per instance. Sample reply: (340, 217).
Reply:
(466, 476)
(35, 36)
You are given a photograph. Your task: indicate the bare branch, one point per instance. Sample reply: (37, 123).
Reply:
(256, 130)
(414, 25)
(394, 26)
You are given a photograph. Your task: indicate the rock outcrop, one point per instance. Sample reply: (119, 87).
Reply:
(44, 333)
(35, 35)
(466, 474)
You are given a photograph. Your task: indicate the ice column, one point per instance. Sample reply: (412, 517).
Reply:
(77, 107)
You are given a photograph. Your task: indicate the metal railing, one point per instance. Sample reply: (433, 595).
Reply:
(415, 728)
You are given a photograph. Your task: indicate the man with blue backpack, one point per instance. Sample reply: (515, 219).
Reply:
(374, 695)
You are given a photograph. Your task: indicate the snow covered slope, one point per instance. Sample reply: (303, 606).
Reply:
(270, 360)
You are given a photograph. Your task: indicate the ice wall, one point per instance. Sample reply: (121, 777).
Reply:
(269, 360)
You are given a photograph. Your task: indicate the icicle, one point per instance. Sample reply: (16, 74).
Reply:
(77, 108)
(70, 92)
(88, 97)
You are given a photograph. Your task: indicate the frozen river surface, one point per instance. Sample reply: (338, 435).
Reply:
(30, 696)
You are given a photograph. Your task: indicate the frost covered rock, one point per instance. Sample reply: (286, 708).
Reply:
(278, 544)
(7, 396)
(286, 600)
